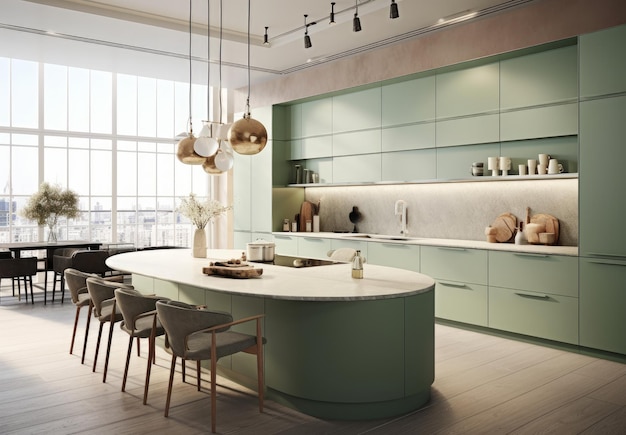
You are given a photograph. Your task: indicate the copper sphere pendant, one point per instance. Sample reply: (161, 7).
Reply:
(185, 152)
(209, 166)
(247, 136)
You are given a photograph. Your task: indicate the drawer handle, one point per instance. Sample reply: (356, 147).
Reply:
(453, 284)
(608, 262)
(526, 295)
(447, 248)
(524, 254)
(600, 254)
(313, 239)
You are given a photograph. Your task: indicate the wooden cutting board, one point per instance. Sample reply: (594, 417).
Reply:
(551, 223)
(505, 225)
(242, 270)
(307, 210)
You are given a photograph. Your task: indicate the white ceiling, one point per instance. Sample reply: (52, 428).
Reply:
(285, 22)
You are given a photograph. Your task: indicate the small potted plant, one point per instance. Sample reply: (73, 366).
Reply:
(49, 203)
(200, 214)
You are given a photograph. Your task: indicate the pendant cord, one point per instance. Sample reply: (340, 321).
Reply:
(189, 120)
(208, 61)
(248, 99)
(220, 54)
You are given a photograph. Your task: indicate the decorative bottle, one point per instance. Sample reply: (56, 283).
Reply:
(357, 266)
(519, 237)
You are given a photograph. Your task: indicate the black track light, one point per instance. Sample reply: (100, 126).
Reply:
(393, 10)
(356, 21)
(266, 40)
(332, 13)
(307, 38)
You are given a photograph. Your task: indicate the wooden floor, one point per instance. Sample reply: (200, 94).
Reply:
(484, 385)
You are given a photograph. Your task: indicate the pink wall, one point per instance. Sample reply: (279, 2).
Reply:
(536, 23)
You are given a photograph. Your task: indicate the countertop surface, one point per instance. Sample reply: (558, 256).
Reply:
(320, 283)
(451, 243)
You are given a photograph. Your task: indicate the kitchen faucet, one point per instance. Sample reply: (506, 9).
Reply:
(400, 210)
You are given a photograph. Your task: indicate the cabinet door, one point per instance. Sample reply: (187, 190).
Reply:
(357, 245)
(601, 176)
(407, 102)
(317, 117)
(409, 165)
(554, 274)
(602, 62)
(537, 314)
(602, 303)
(559, 120)
(409, 137)
(455, 264)
(394, 255)
(539, 78)
(358, 142)
(241, 192)
(315, 147)
(356, 110)
(461, 302)
(471, 130)
(469, 91)
(261, 190)
(286, 245)
(240, 239)
(314, 247)
(353, 169)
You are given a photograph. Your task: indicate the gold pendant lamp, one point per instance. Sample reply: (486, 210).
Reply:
(184, 149)
(247, 135)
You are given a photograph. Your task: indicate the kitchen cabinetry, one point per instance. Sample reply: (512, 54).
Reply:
(534, 294)
(602, 302)
(461, 290)
(313, 247)
(394, 255)
(468, 91)
(602, 153)
(358, 110)
(400, 105)
(286, 244)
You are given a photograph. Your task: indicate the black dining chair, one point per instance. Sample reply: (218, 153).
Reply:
(19, 269)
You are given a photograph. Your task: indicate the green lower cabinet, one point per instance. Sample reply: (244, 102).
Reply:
(461, 302)
(541, 315)
(602, 304)
(314, 247)
(394, 255)
(285, 244)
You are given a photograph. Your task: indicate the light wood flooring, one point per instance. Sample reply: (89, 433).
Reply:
(484, 385)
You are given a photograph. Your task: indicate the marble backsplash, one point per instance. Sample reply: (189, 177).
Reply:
(448, 210)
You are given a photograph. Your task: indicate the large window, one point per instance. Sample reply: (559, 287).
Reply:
(107, 136)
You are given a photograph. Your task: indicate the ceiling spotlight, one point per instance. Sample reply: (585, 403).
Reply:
(356, 21)
(307, 38)
(332, 13)
(393, 10)
(266, 39)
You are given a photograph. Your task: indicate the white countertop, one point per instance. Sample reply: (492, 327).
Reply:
(320, 283)
(452, 243)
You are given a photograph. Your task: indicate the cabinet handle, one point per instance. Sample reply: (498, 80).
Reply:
(314, 239)
(446, 248)
(525, 254)
(526, 295)
(599, 254)
(453, 284)
(608, 262)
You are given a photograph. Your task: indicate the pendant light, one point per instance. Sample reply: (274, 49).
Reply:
(331, 19)
(247, 135)
(356, 21)
(393, 10)
(206, 145)
(185, 148)
(307, 38)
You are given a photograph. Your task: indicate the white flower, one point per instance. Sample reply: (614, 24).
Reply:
(201, 213)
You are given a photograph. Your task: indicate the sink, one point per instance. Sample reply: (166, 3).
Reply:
(381, 237)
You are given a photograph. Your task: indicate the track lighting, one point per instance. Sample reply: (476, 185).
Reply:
(266, 38)
(307, 38)
(332, 13)
(356, 21)
(393, 10)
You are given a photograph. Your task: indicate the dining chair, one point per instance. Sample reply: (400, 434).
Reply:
(19, 268)
(139, 321)
(102, 294)
(85, 260)
(198, 334)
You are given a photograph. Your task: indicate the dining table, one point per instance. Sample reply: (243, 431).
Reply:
(17, 247)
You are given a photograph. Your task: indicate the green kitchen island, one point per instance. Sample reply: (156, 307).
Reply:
(337, 347)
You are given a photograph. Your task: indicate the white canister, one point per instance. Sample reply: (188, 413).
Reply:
(260, 250)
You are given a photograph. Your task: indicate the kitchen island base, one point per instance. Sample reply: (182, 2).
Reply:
(350, 360)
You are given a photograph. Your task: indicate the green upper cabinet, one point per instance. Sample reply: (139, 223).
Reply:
(356, 111)
(602, 62)
(317, 117)
(408, 102)
(358, 142)
(540, 78)
(469, 91)
(294, 121)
